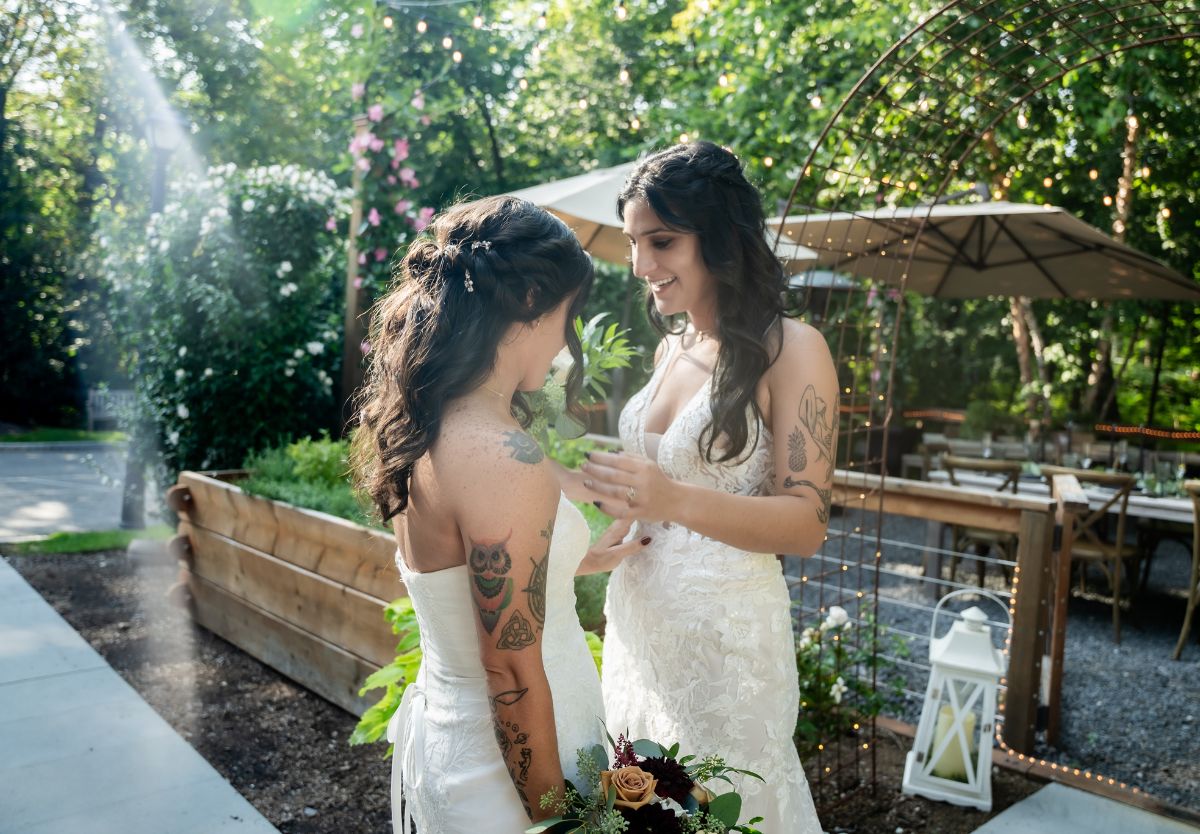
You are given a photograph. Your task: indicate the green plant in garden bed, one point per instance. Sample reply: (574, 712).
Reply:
(836, 661)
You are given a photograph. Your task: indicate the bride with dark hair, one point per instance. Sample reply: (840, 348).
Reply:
(729, 458)
(488, 544)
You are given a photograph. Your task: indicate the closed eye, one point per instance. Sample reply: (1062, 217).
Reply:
(664, 243)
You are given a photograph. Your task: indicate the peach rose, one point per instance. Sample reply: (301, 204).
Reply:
(635, 787)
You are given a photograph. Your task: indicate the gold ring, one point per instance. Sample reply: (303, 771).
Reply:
(630, 494)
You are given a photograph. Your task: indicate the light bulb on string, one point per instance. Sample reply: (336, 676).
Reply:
(622, 12)
(583, 104)
(1022, 120)
(387, 21)
(1093, 174)
(1047, 182)
(815, 101)
(768, 161)
(684, 138)
(477, 21)
(1145, 172)
(447, 42)
(422, 26)
(635, 123)
(456, 57)
(523, 84)
(1165, 212)
(541, 21)
(1107, 200)
(623, 75)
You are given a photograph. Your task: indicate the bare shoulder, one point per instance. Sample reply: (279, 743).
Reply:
(492, 468)
(803, 350)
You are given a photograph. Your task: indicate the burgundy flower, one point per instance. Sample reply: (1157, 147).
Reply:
(673, 781)
(623, 755)
(651, 819)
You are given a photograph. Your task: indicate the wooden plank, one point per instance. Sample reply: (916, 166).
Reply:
(949, 505)
(1031, 585)
(330, 610)
(1070, 501)
(326, 669)
(341, 550)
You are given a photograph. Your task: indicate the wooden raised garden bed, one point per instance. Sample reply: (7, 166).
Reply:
(300, 590)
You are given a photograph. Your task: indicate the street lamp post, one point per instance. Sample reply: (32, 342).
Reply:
(164, 133)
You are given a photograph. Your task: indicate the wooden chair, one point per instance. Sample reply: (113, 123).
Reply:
(982, 539)
(1193, 489)
(1090, 546)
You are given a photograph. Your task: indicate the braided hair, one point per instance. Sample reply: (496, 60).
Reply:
(482, 267)
(699, 188)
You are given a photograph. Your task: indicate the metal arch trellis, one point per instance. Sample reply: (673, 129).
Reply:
(907, 133)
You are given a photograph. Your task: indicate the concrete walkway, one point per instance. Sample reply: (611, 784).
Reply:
(81, 752)
(52, 487)
(1058, 809)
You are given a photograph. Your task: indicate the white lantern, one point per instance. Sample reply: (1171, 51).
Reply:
(951, 759)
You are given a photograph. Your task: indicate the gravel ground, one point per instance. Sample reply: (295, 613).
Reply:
(1128, 711)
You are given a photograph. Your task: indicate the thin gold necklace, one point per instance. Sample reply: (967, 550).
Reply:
(493, 391)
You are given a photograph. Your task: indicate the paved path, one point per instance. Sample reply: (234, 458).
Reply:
(81, 752)
(48, 487)
(1058, 809)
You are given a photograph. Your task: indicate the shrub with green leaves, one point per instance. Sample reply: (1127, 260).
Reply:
(227, 308)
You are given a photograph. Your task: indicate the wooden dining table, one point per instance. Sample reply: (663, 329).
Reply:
(1141, 505)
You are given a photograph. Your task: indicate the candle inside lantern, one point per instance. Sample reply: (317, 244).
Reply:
(950, 764)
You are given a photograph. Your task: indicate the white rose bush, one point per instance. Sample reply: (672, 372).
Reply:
(227, 306)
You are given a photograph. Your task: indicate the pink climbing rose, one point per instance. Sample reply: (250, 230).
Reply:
(409, 177)
(357, 89)
(376, 145)
(400, 149)
(403, 206)
(422, 219)
(375, 112)
(331, 224)
(381, 254)
(418, 101)
(373, 217)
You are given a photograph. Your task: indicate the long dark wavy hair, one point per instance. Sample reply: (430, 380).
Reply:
(482, 267)
(699, 188)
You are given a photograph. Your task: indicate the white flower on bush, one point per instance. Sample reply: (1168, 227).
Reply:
(284, 269)
(297, 353)
(289, 371)
(208, 372)
(164, 245)
(182, 411)
(183, 351)
(248, 205)
(180, 373)
(838, 689)
(315, 347)
(836, 619)
(173, 438)
(287, 289)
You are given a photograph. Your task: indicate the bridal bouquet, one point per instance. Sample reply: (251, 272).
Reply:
(647, 789)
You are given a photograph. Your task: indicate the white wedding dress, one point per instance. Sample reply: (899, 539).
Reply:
(698, 646)
(447, 765)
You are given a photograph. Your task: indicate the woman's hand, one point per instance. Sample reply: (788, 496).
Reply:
(609, 550)
(630, 486)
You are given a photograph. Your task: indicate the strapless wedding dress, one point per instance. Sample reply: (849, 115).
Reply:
(698, 646)
(447, 765)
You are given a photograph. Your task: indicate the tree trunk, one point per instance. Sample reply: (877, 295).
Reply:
(1021, 342)
(1038, 344)
(1100, 378)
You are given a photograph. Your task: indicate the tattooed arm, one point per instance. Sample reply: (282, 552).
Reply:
(507, 518)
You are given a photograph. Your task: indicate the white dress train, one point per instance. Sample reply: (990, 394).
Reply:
(698, 644)
(447, 765)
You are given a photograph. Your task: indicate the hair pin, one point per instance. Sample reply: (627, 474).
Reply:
(467, 282)
(486, 245)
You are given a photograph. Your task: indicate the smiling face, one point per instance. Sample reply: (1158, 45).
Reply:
(670, 262)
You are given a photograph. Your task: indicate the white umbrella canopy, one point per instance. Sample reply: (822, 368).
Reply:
(588, 205)
(985, 249)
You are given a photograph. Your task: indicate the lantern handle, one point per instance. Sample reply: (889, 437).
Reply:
(979, 592)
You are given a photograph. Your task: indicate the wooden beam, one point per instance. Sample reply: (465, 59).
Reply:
(1031, 584)
(326, 669)
(1070, 501)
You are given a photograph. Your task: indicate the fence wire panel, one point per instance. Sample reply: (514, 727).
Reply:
(920, 128)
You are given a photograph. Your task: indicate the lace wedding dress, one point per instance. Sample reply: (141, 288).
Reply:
(698, 646)
(447, 765)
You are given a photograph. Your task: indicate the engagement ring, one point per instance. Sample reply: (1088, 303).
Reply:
(630, 494)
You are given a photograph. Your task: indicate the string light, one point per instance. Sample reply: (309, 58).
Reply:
(815, 101)
(477, 21)
(1165, 212)
(623, 75)
(1093, 174)
(1107, 200)
(1022, 120)
(635, 123)
(456, 57)
(523, 84)
(541, 21)
(684, 138)
(1047, 182)
(422, 26)
(768, 161)
(583, 104)
(447, 42)
(1145, 172)
(387, 22)
(622, 12)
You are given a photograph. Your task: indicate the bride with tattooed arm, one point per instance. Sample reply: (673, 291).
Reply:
(728, 459)
(488, 544)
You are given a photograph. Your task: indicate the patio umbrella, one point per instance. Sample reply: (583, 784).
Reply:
(588, 204)
(985, 249)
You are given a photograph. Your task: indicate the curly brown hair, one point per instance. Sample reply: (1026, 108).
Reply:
(482, 267)
(699, 188)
